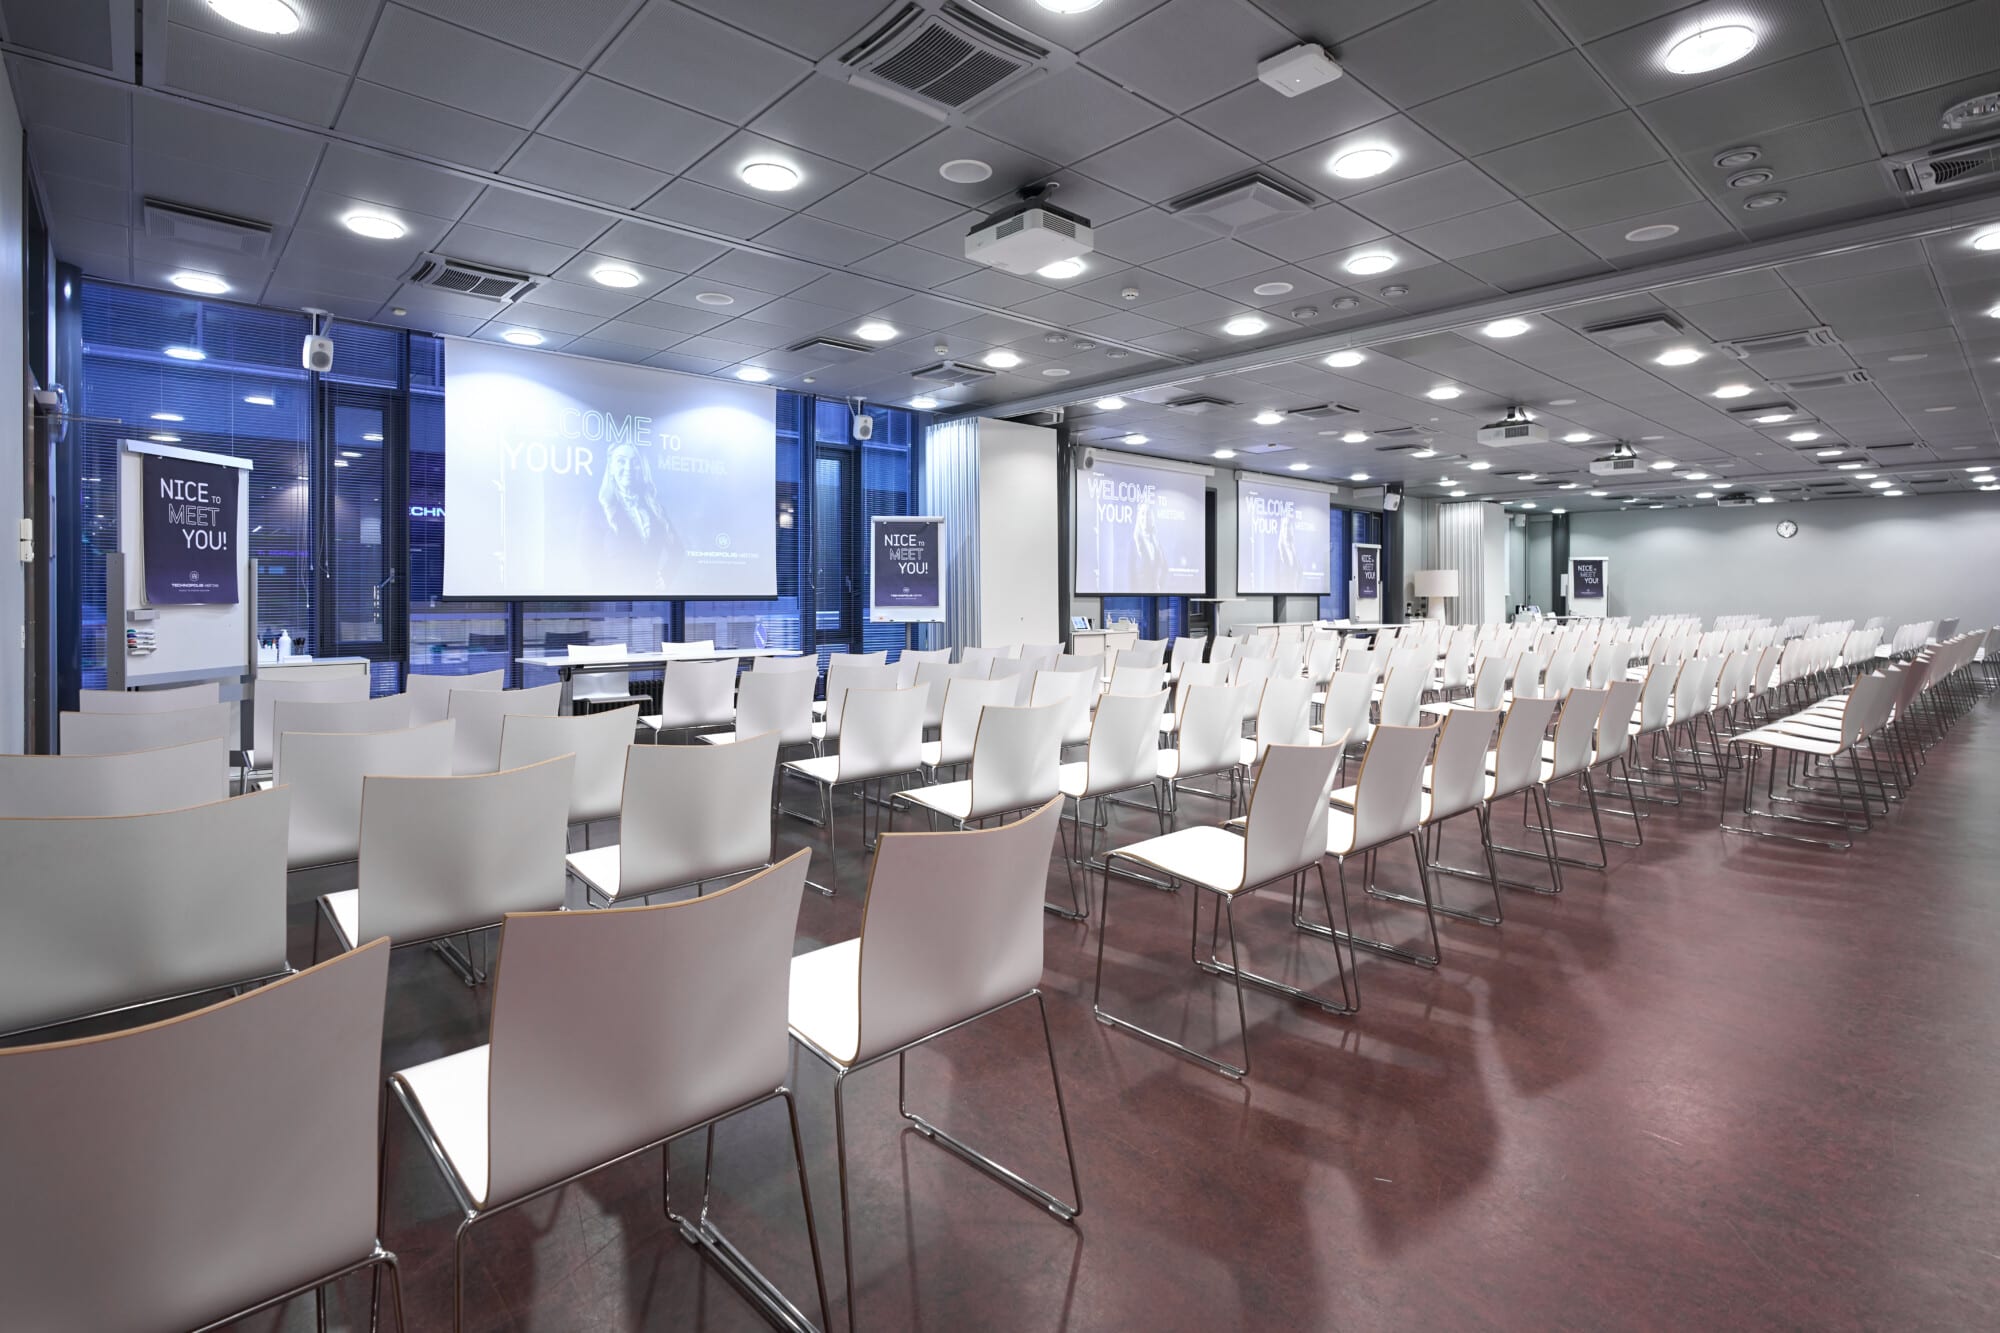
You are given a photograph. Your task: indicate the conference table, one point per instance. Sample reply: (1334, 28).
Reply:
(566, 666)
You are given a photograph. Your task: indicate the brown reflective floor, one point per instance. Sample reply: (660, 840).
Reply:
(1728, 1084)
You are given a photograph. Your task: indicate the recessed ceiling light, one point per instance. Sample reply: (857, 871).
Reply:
(1298, 467)
(1940, 409)
(1658, 231)
(1744, 180)
(1910, 356)
(1994, 313)
(1223, 453)
(1708, 48)
(1507, 328)
(164, 438)
(341, 462)
(1773, 418)
(1344, 360)
(1056, 372)
(1665, 465)
(1444, 393)
(1243, 326)
(1526, 504)
(1694, 476)
(1479, 465)
(523, 337)
(1577, 437)
(715, 298)
(1804, 437)
(1559, 510)
(1135, 439)
(168, 416)
(1679, 356)
(965, 171)
(1990, 488)
(274, 17)
(1562, 402)
(1375, 261)
(1855, 468)
(1989, 239)
(260, 400)
(1354, 437)
(1738, 157)
(1767, 500)
(1359, 164)
(1567, 486)
(374, 226)
(1111, 404)
(1828, 453)
(187, 354)
(1880, 485)
(769, 176)
(1458, 495)
(617, 275)
(753, 374)
(1061, 269)
(1268, 418)
(923, 402)
(1002, 359)
(1068, 6)
(1648, 439)
(1769, 199)
(1891, 494)
(1271, 288)
(1704, 495)
(1423, 453)
(875, 331)
(205, 284)
(1357, 476)
(1732, 391)
(1599, 495)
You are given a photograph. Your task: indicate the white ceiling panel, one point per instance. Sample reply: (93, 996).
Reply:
(1451, 44)
(1187, 52)
(674, 52)
(614, 119)
(571, 32)
(442, 62)
(251, 77)
(331, 33)
(376, 114)
(849, 124)
(1069, 114)
(1260, 121)
(582, 172)
(723, 212)
(1165, 162)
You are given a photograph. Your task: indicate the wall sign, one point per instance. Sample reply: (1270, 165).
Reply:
(1367, 573)
(906, 568)
(1587, 580)
(189, 517)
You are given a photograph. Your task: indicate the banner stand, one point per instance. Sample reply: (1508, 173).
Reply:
(1587, 585)
(906, 569)
(1364, 597)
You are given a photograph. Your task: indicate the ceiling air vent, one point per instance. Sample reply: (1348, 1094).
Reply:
(940, 58)
(1793, 416)
(215, 231)
(1802, 341)
(1811, 382)
(1923, 173)
(951, 372)
(455, 275)
(1634, 331)
(1395, 432)
(829, 351)
(1264, 449)
(1322, 411)
(1197, 403)
(1246, 201)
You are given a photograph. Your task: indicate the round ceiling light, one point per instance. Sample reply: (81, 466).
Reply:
(1244, 326)
(965, 171)
(1706, 49)
(875, 331)
(168, 416)
(1828, 453)
(1767, 499)
(1731, 158)
(1852, 467)
(1769, 199)
(274, 17)
(1444, 393)
(1704, 495)
(1479, 465)
(1358, 164)
(205, 284)
(523, 337)
(1732, 391)
(1134, 439)
(1068, 6)
(1223, 453)
(1268, 418)
(1678, 356)
(1665, 465)
(374, 226)
(617, 275)
(923, 402)
(1357, 476)
(1507, 328)
(1298, 467)
(1061, 269)
(769, 176)
(1804, 437)
(753, 374)
(1972, 111)
(715, 298)
(1577, 437)
(1056, 372)
(1373, 262)
(1747, 179)
(1111, 404)
(1344, 360)
(1987, 240)
(1355, 437)
(1424, 453)
(1658, 231)
(1772, 418)
(1271, 288)
(1002, 359)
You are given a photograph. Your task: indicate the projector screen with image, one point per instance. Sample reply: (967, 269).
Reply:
(1139, 530)
(567, 477)
(1282, 545)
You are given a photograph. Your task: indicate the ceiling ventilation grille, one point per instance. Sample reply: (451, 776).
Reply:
(1196, 404)
(951, 372)
(216, 231)
(828, 351)
(941, 58)
(1634, 331)
(1323, 411)
(1771, 344)
(457, 276)
(1811, 382)
(1923, 173)
(1246, 201)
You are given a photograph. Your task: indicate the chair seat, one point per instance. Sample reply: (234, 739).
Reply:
(718, 737)
(1074, 779)
(931, 754)
(820, 768)
(612, 699)
(825, 1006)
(658, 721)
(598, 868)
(450, 1092)
(947, 798)
(345, 909)
(1780, 740)
(1210, 855)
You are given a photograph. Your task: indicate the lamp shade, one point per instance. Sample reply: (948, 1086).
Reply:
(1437, 583)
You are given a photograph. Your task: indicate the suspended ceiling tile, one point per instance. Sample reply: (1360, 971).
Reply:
(1268, 125)
(1489, 229)
(399, 120)
(581, 172)
(820, 242)
(773, 274)
(1448, 192)
(1068, 115)
(251, 77)
(1147, 235)
(1648, 189)
(1417, 152)
(818, 176)
(1071, 32)
(813, 30)
(1187, 52)
(1634, 59)
(845, 122)
(1937, 48)
(1535, 263)
(570, 32)
(540, 218)
(1304, 236)
(672, 51)
(504, 250)
(588, 298)
(1165, 162)
(707, 208)
(913, 266)
(1589, 151)
(458, 67)
(331, 33)
(611, 118)
(1539, 99)
(1011, 167)
(1450, 44)
(1805, 88)
(883, 208)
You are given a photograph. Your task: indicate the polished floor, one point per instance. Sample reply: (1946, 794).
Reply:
(1729, 1084)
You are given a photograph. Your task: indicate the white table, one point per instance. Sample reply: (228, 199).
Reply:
(566, 666)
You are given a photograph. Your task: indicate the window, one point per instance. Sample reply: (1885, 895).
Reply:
(1349, 527)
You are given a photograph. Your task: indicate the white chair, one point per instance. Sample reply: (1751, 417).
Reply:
(842, 676)
(124, 733)
(1206, 742)
(1124, 743)
(1284, 836)
(980, 658)
(1516, 770)
(1403, 695)
(1020, 672)
(1284, 717)
(1343, 718)
(430, 693)
(1185, 650)
(951, 933)
(1040, 656)
(479, 714)
(935, 679)
(685, 1005)
(390, 712)
(192, 1172)
(881, 737)
(691, 813)
(964, 699)
(598, 740)
(1016, 762)
(1388, 806)
(149, 701)
(448, 856)
(1570, 756)
(1840, 733)
(105, 914)
(807, 662)
(1151, 651)
(267, 691)
(1135, 680)
(695, 695)
(771, 701)
(1456, 785)
(323, 771)
(591, 690)
(692, 648)
(141, 783)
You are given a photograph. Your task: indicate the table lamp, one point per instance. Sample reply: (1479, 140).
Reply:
(1434, 585)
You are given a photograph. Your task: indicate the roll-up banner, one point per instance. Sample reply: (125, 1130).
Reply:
(1367, 573)
(189, 517)
(1588, 579)
(906, 569)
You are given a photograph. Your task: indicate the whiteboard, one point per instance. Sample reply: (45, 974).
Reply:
(193, 642)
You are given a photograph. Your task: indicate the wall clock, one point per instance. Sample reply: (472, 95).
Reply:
(1787, 528)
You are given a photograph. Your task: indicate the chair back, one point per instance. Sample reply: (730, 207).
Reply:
(1614, 724)
(1072, 690)
(698, 694)
(587, 685)
(111, 911)
(390, 712)
(430, 692)
(1211, 726)
(1136, 680)
(935, 678)
(1489, 682)
(1517, 757)
(695, 812)
(1250, 671)
(882, 733)
(339, 687)
(1286, 828)
(842, 676)
(1040, 656)
(952, 927)
(1576, 728)
(688, 649)
(1017, 757)
(1388, 796)
(1323, 658)
(964, 699)
(149, 701)
(1284, 714)
(142, 783)
(1345, 712)
(1153, 652)
(1124, 742)
(442, 855)
(1654, 696)
(598, 740)
(477, 716)
(688, 1019)
(1020, 671)
(188, 1170)
(807, 662)
(1458, 769)
(1403, 694)
(779, 701)
(1528, 676)
(124, 733)
(1185, 650)
(1223, 649)
(980, 658)
(323, 772)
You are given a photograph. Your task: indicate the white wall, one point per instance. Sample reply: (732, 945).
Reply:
(1910, 558)
(13, 414)
(1019, 549)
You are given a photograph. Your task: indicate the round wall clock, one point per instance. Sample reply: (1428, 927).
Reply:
(1787, 528)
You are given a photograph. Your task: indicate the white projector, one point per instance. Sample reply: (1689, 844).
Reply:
(1614, 465)
(1029, 236)
(1514, 428)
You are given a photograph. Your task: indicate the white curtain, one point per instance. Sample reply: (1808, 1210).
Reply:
(948, 486)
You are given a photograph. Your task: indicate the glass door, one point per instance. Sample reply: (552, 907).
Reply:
(362, 591)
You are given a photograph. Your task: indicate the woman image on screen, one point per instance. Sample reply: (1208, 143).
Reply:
(1149, 563)
(636, 538)
(1288, 554)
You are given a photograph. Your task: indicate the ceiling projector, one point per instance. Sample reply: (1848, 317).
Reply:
(1028, 236)
(1517, 427)
(1621, 461)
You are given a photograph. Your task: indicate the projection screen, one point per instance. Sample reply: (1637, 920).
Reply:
(1281, 538)
(1140, 530)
